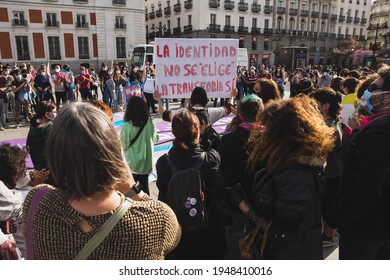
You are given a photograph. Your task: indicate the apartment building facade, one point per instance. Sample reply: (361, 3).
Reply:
(70, 31)
(264, 27)
(378, 36)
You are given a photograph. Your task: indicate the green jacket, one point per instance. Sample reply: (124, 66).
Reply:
(139, 156)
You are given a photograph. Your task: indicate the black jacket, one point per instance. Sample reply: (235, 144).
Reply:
(362, 206)
(291, 200)
(36, 143)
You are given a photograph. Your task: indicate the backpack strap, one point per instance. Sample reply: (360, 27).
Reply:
(136, 137)
(174, 169)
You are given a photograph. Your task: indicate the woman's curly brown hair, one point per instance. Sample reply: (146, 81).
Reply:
(12, 164)
(294, 128)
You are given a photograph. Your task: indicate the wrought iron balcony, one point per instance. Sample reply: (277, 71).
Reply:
(228, 28)
(304, 13)
(229, 5)
(214, 3)
(176, 9)
(256, 8)
(120, 26)
(349, 19)
(82, 25)
(363, 21)
(215, 27)
(177, 30)
(188, 4)
(362, 38)
(152, 15)
(293, 12)
(19, 22)
(356, 20)
(243, 7)
(256, 30)
(325, 15)
(333, 17)
(315, 14)
(146, 16)
(324, 34)
(281, 10)
(268, 9)
(187, 28)
(341, 18)
(118, 2)
(267, 31)
(332, 35)
(159, 13)
(167, 11)
(167, 33)
(151, 35)
(340, 36)
(242, 29)
(52, 23)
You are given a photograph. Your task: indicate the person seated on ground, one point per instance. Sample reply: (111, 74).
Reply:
(200, 244)
(87, 162)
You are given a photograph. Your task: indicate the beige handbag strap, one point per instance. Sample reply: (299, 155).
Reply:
(98, 237)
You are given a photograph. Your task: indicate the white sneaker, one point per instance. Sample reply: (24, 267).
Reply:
(17, 125)
(2, 129)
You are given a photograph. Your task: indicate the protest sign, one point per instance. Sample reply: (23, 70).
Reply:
(183, 64)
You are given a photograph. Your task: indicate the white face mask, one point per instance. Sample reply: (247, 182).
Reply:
(118, 72)
(43, 73)
(57, 70)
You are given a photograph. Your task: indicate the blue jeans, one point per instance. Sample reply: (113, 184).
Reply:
(166, 102)
(107, 98)
(3, 112)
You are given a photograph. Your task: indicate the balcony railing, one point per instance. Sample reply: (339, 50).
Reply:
(177, 30)
(243, 7)
(146, 16)
(363, 21)
(52, 23)
(325, 15)
(214, 3)
(19, 22)
(356, 20)
(267, 31)
(268, 9)
(151, 35)
(324, 34)
(159, 13)
(333, 17)
(167, 11)
(188, 4)
(242, 29)
(304, 13)
(313, 49)
(177, 9)
(120, 25)
(167, 33)
(362, 38)
(315, 14)
(229, 5)
(152, 15)
(322, 49)
(340, 36)
(228, 28)
(80, 1)
(349, 19)
(82, 25)
(188, 28)
(293, 12)
(332, 35)
(256, 30)
(281, 10)
(341, 18)
(215, 27)
(118, 2)
(256, 8)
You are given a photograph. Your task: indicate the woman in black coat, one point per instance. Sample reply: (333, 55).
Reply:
(293, 145)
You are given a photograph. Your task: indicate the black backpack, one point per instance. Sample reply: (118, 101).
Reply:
(209, 138)
(186, 195)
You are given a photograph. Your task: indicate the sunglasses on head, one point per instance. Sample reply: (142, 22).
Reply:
(373, 87)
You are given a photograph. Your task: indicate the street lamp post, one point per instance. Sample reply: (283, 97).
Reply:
(374, 47)
(160, 30)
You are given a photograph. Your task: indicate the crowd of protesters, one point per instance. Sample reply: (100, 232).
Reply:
(300, 169)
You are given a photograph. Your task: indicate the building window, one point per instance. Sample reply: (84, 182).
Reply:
(178, 22)
(313, 25)
(325, 9)
(241, 42)
(54, 47)
(314, 7)
(213, 18)
(292, 24)
(19, 18)
(280, 4)
(227, 20)
(22, 47)
(304, 5)
(303, 25)
(241, 22)
(189, 20)
(280, 23)
(51, 19)
(266, 45)
(254, 22)
(254, 43)
(83, 47)
(120, 47)
(323, 27)
(81, 21)
(332, 28)
(120, 22)
(292, 4)
(168, 24)
(266, 23)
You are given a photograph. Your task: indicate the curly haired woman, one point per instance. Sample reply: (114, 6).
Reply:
(293, 146)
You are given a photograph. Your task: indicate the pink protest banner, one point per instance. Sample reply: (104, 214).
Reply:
(183, 64)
